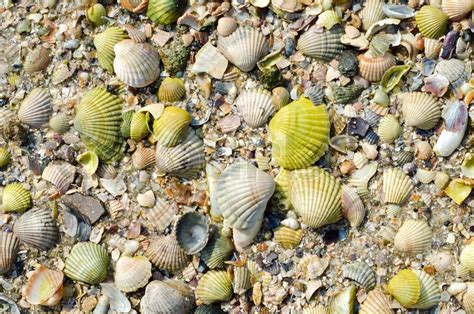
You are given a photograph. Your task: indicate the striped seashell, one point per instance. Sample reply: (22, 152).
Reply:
(344, 301)
(213, 173)
(361, 273)
(468, 298)
(324, 47)
(87, 262)
(376, 302)
(217, 251)
(134, 33)
(214, 286)
(226, 25)
(115, 209)
(139, 126)
(360, 179)
(461, 271)
(287, 237)
(104, 43)
(338, 121)
(165, 11)
(15, 198)
(132, 273)
(242, 279)
(61, 73)
(166, 254)
(36, 108)
(389, 128)
(397, 186)
(255, 106)
(352, 207)
(318, 309)
(5, 157)
(44, 287)
(106, 171)
(281, 198)
(371, 13)
(244, 47)
(210, 60)
(136, 64)
(171, 90)
(37, 60)
(425, 176)
(143, 157)
(59, 123)
(172, 127)
(9, 247)
(456, 71)
(37, 228)
(96, 14)
(162, 214)
(168, 296)
(156, 110)
(402, 157)
(192, 232)
(372, 117)
(432, 47)
(414, 237)
(311, 266)
(315, 93)
(381, 43)
(328, 19)
(89, 161)
(135, 6)
(60, 174)
(125, 126)
(373, 68)
(429, 291)
(405, 287)
(431, 21)
(360, 160)
(456, 9)
(467, 257)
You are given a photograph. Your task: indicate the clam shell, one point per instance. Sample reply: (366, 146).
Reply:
(36, 108)
(135, 6)
(169, 296)
(104, 43)
(9, 246)
(456, 9)
(318, 309)
(371, 13)
(217, 251)
(192, 232)
(210, 60)
(172, 127)
(5, 157)
(376, 302)
(432, 47)
(132, 273)
(37, 60)
(165, 11)
(414, 237)
(87, 262)
(287, 237)
(37, 228)
(429, 291)
(134, 33)
(15, 198)
(361, 273)
(328, 19)
(242, 280)
(389, 128)
(136, 64)
(315, 93)
(226, 25)
(352, 207)
(467, 257)
(139, 126)
(60, 174)
(373, 68)
(397, 186)
(96, 14)
(255, 106)
(431, 21)
(244, 47)
(405, 287)
(360, 178)
(455, 71)
(214, 286)
(344, 301)
(166, 254)
(171, 90)
(324, 47)
(59, 123)
(299, 133)
(143, 157)
(44, 287)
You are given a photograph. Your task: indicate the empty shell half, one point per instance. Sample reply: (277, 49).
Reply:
(37, 228)
(36, 108)
(214, 286)
(414, 237)
(166, 254)
(132, 273)
(87, 262)
(44, 287)
(255, 106)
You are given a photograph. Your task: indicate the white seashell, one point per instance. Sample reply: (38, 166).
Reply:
(370, 150)
(60, 174)
(361, 273)
(36, 108)
(360, 160)
(397, 186)
(456, 121)
(352, 207)
(414, 237)
(255, 106)
(210, 60)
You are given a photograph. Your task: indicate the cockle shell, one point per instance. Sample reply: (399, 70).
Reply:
(421, 110)
(171, 90)
(287, 237)
(360, 160)
(210, 60)
(325, 46)
(315, 93)
(376, 302)
(467, 256)
(429, 292)
(59, 123)
(299, 133)
(405, 287)
(9, 246)
(344, 301)
(139, 126)
(172, 127)
(214, 286)
(15, 198)
(414, 237)
(373, 68)
(255, 106)
(361, 273)
(104, 43)
(44, 287)
(37, 228)
(135, 6)
(169, 296)
(132, 273)
(143, 157)
(432, 47)
(244, 47)
(134, 33)
(328, 19)
(397, 186)
(389, 128)
(98, 118)
(136, 64)
(165, 11)
(456, 9)
(318, 309)
(87, 262)
(96, 14)
(36, 108)
(455, 117)
(166, 254)
(192, 232)
(37, 60)
(352, 207)
(371, 13)
(468, 298)
(5, 157)
(226, 25)
(431, 21)
(60, 174)
(455, 71)
(242, 279)
(360, 178)
(217, 251)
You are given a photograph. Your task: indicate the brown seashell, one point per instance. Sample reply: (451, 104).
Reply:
(37, 228)
(134, 33)
(373, 68)
(423, 150)
(9, 246)
(37, 60)
(166, 254)
(135, 6)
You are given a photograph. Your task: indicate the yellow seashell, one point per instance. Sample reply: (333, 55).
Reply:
(9, 247)
(96, 14)
(324, 47)
(344, 301)
(166, 254)
(139, 126)
(431, 21)
(389, 128)
(373, 68)
(60, 174)
(172, 127)
(376, 302)
(87, 262)
(405, 287)
(287, 237)
(456, 9)
(90, 162)
(171, 90)
(36, 108)
(15, 198)
(242, 280)
(168, 296)
(429, 291)
(414, 237)
(458, 190)
(217, 251)
(5, 157)
(44, 287)
(421, 110)
(467, 166)
(59, 123)
(214, 286)
(255, 106)
(104, 43)
(132, 273)
(281, 197)
(397, 186)
(371, 13)
(467, 256)
(143, 157)
(328, 19)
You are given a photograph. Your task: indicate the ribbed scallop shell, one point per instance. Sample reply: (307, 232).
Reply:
(162, 214)
(371, 13)
(431, 21)
(139, 126)
(299, 134)
(192, 232)
(373, 68)
(104, 43)
(87, 262)
(9, 246)
(467, 257)
(169, 296)
(37, 228)
(132, 273)
(318, 309)
(134, 33)
(166, 254)
(389, 128)
(135, 6)
(59, 123)
(328, 19)
(217, 251)
(361, 273)
(468, 298)
(315, 93)
(37, 60)
(242, 279)
(316, 196)
(44, 287)
(352, 207)
(421, 110)
(226, 25)
(184, 160)
(126, 123)
(165, 11)
(324, 47)
(172, 127)
(429, 292)
(376, 302)
(244, 47)
(5, 157)
(36, 108)
(360, 178)
(214, 286)
(98, 119)
(60, 174)
(455, 71)
(432, 47)
(15, 198)
(143, 157)
(287, 237)
(414, 237)
(255, 106)
(115, 209)
(136, 64)
(405, 287)
(171, 90)
(397, 186)
(456, 9)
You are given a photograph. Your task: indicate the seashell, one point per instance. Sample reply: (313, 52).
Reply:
(244, 47)
(9, 247)
(96, 14)
(59, 123)
(429, 291)
(87, 262)
(134, 33)
(213, 174)
(344, 301)
(37, 60)
(360, 178)
(360, 160)
(36, 108)
(423, 150)
(376, 302)
(405, 287)
(287, 237)
(458, 190)
(135, 6)
(143, 157)
(172, 127)
(146, 199)
(322, 46)
(171, 90)
(421, 110)
(318, 309)
(139, 126)
(425, 176)
(183, 160)
(431, 21)
(345, 94)
(280, 197)
(297, 143)
(280, 97)
(169, 296)
(398, 11)
(456, 120)
(397, 186)
(104, 43)
(442, 262)
(90, 162)
(37, 228)
(115, 209)
(210, 60)
(315, 93)
(312, 266)
(343, 143)
(381, 43)
(432, 47)
(165, 11)
(132, 273)
(454, 70)
(393, 76)
(5, 157)
(255, 106)
(126, 123)
(214, 286)
(217, 251)
(316, 196)
(60, 174)
(361, 273)
(44, 287)
(192, 232)
(414, 237)
(456, 9)
(441, 180)
(467, 256)
(467, 166)
(156, 110)
(373, 68)
(328, 19)
(352, 207)
(226, 25)
(371, 13)
(242, 279)
(389, 128)
(166, 254)
(461, 271)
(15, 198)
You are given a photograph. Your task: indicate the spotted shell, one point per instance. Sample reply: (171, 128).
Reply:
(373, 68)
(352, 207)
(135, 6)
(376, 302)
(5, 157)
(172, 127)
(171, 90)
(414, 237)
(165, 11)
(361, 177)
(36, 108)
(287, 237)
(397, 186)
(214, 286)
(168, 296)
(132, 273)
(389, 128)
(87, 262)
(429, 292)
(143, 157)
(60, 174)
(431, 21)
(255, 106)
(104, 43)
(59, 123)
(37, 228)
(37, 60)
(371, 13)
(324, 47)
(456, 9)
(44, 287)
(15, 198)
(9, 247)
(226, 25)
(217, 251)
(405, 287)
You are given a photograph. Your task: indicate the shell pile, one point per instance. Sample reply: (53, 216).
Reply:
(237, 156)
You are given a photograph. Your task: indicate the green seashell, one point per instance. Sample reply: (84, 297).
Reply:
(171, 90)
(346, 94)
(15, 198)
(126, 122)
(344, 301)
(429, 291)
(172, 127)
(175, 55)
(5, 157)
(104, 43)
(431, 21)
(90, 162)
(405, 287)
(96, 13)
(165, 11)
(217, 251)
(214, 286)
(98, 119)
(59, 123)
(87, 262)
(287, 237)
(299, 133)
(139, 128)
(391, 78)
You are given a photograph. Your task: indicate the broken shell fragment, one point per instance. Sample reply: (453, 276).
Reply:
(458, 190)
(5, 157)
(209, 60)
(393, 76)
(44, 287)
(371, 13)
(192, 232)
(89, 160)
(135, 6)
